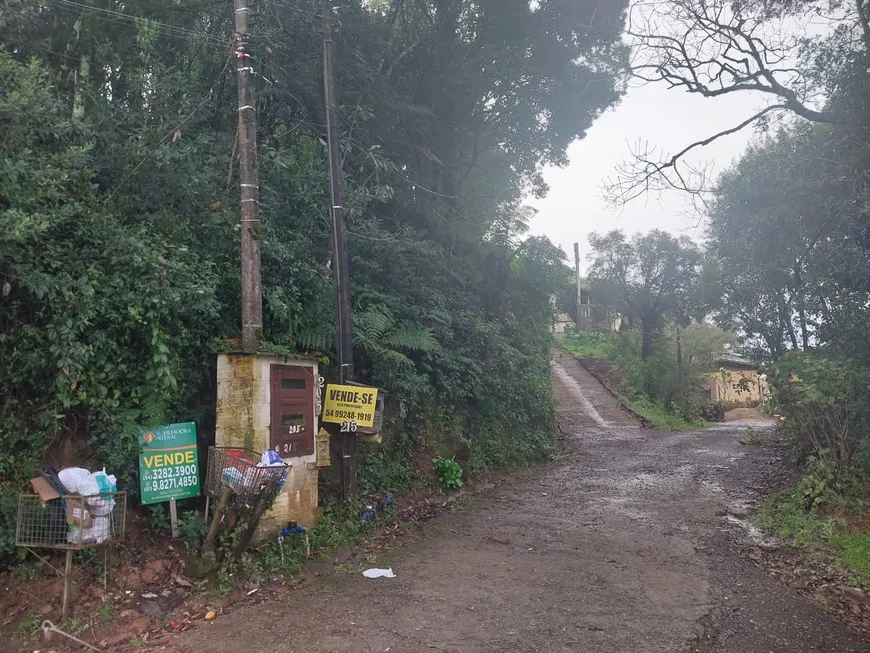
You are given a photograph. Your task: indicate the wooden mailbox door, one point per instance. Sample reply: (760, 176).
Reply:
(291, 432)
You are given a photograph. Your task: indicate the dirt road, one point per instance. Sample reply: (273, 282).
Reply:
(619, 548)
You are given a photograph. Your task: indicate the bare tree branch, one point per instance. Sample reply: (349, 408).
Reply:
(863, 10)
(714, 48)
(711, 48)
(643, 173)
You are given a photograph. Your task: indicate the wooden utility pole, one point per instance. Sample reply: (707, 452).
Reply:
(252, 292)
(344, 344)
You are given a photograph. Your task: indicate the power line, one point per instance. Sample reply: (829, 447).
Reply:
(132, 19)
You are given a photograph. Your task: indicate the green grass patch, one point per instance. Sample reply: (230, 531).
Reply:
(30, 625)
(784, 516)
(790, 521)
(855, 547)
(657, 415)
(591, 344)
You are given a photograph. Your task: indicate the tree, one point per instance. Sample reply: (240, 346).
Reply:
(717, 47)
(787, 254)
(651, 278)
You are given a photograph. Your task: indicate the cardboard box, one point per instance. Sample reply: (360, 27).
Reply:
(77, 513)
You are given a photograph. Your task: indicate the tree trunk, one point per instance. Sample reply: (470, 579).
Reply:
(805, 336)
(647, 342)
(785, 319)
(802, 306)
(774, 346)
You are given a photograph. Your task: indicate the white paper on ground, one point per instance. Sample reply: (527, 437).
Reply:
(379, 573)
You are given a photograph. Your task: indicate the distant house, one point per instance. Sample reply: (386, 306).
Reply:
(563, 325)
(736, 380)
(591, 316)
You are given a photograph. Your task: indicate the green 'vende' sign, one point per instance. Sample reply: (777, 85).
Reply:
(169, 463)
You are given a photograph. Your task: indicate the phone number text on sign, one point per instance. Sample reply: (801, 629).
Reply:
(169, 476)
(342, 415)
(344, 403)
(173, 483)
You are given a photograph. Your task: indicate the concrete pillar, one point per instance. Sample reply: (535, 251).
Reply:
(244, 416)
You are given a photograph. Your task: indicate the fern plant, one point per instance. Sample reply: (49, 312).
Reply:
(380, 335)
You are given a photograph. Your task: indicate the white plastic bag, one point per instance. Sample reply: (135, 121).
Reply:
(88, 485)
(379, 573)
(106, 483)
(101, 505)
(96, 534)
(72, 476)
(271, 459)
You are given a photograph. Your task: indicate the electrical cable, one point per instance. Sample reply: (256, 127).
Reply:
(133, 20)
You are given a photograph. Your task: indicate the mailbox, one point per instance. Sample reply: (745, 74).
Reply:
(293, 420)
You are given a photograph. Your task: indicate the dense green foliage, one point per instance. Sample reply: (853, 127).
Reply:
(825, 399)
(119, 266)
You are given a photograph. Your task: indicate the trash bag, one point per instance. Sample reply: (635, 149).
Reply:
(101, 505)
(106, 483)
(71, 477)
(43, 524)
(88, 485)
(271, 459)
(96, 534)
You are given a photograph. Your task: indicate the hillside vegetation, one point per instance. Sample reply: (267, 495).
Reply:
(119, 207)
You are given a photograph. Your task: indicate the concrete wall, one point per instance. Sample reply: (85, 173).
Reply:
(243, 420)
(726, 385)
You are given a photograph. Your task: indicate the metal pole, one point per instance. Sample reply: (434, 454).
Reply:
(67, 582)
(344, 344)
(252, 295)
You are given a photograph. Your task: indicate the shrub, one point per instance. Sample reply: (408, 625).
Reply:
(448, 472)
(825, 400)
(192, 529)
(8, 520)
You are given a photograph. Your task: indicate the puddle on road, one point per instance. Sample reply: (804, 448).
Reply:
(730, 456)
(712, 487)
(753, 533)
(619, 505)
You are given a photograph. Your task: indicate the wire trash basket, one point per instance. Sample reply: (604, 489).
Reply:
(71, 521)
(240, 470)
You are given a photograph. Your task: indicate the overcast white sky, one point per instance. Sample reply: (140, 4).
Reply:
(669, 119)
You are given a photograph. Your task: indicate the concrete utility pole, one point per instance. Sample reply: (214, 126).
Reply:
(577, 284)
(252, 292)
(344, 343)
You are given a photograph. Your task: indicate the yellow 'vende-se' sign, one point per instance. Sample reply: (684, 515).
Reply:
(350, 403)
